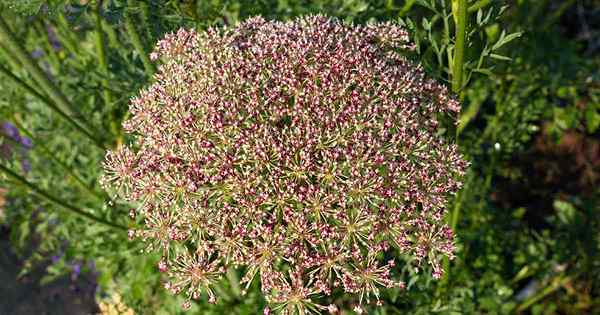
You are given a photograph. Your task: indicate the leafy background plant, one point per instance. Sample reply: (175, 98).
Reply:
(527, 219)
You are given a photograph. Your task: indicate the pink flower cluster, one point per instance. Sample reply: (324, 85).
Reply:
(306, 153)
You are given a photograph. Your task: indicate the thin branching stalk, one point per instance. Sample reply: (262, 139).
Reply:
(56, 200)
(22, 84)
(447, 36)
(40, 77)
(134, 36)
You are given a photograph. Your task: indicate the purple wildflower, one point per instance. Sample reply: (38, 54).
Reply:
(92, 265)
(37, 53)
(25, 165)
(75, 270)
(53, 38)
(303, 151)
(11, 131)
(56, 258)
(27, 143)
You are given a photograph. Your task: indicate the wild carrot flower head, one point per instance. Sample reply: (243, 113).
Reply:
(306, 153)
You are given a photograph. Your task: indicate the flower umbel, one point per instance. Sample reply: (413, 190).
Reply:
(304, 151)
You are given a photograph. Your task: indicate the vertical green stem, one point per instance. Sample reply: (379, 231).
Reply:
(12, 43)
(447, 39)
(454, 215)
(101, 52)
(113, 38)
(134, 36)
(145, 10)
(459, 9)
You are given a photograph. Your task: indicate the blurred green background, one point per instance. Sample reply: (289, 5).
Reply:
(527, 220)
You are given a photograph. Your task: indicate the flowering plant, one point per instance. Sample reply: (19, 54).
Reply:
(307, 152)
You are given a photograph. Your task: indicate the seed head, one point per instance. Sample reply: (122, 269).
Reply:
(303, 151)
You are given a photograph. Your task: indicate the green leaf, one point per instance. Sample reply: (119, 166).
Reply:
(500, 57)
(25, 7)
(486, 71)
(468, 115)
(564, 210)
(592, 118)
(426, 24)
(505, 39)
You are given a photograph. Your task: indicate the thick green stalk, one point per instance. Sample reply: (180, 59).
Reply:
(45, 100)
(67, 206)
(459, 10)
(12, 43)
(134, 36)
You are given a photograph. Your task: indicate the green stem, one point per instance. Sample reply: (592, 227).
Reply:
(145, 10)
(447, 40)
(454, 216)
(101, 52)
(459, 9)
(134, 36)
(39, 76)
(45, 100)
(58, 201)
(113, 39)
